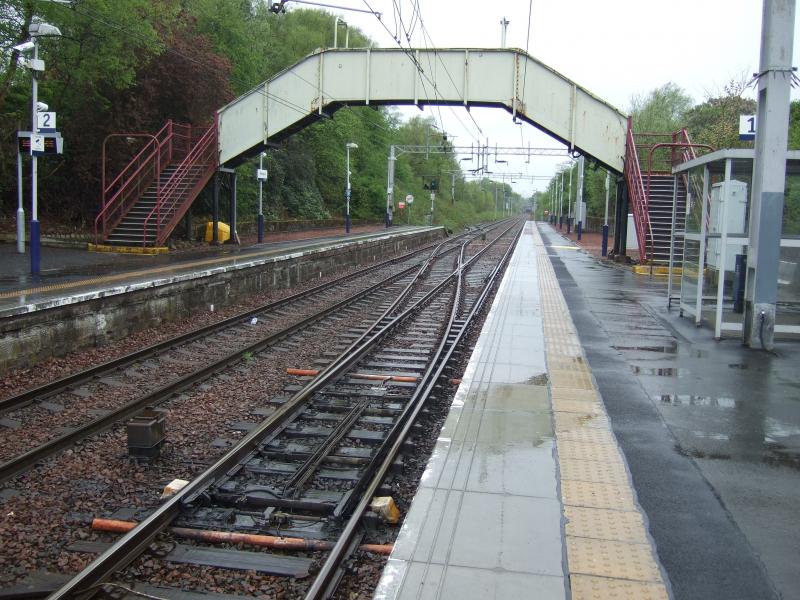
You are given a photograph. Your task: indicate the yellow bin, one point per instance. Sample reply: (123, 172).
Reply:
(223, 231)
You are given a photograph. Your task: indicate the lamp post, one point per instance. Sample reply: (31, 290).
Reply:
(262, 177)
(347, 147)
(36, 30)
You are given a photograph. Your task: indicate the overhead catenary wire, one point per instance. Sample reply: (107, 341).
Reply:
(421, 70)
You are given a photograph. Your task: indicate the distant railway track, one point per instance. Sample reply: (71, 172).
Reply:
(315, 462)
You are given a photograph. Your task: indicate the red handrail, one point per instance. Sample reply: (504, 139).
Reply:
(130, 187)
(172, 142)
(184, 184)
(673, 146)
(633, 176)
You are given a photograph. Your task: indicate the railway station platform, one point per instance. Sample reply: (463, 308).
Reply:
(71, 275)
(599, 446)
(83, 299)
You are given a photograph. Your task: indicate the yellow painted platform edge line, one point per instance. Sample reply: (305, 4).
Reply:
(145, 250)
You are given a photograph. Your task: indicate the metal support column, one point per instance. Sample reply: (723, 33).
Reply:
(260, 199)
(20, 208)
(622, 225)
(769, 172)
(579, 200)
(215, 211)
(604, 251)
(35, 243)
(569, 203)
(232, 209)
(390, 187)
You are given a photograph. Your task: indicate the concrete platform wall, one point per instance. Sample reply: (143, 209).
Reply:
(32, 337)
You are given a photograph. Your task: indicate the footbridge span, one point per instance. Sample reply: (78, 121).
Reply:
(508, 78)
(147, 199)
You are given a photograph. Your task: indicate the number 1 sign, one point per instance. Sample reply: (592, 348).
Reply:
(747, 127)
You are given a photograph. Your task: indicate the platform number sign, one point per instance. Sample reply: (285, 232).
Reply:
(46, 121)
(747, 127)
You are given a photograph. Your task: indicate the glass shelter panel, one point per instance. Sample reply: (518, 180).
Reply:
(690, 274)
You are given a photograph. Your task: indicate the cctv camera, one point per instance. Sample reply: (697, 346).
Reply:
(42, 106)
(24, 46)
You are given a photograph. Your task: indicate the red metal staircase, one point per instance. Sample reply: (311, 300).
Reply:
(142, 205)
(651, 192)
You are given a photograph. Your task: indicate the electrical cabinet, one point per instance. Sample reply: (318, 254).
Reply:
(728, 216)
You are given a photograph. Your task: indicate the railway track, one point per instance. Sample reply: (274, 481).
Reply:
(53, 417)
(311, 468)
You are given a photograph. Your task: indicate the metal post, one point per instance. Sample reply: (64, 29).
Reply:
(35, 264)
(215, 211)
(579, 200)
(569, 203)
(672, 238)
(723, 250)
(232, 208)
(769, 172)
(495, 201)
(622, 231)
(347, 192)
(433, 198)
(452, 188)
(701, 277)
(20, 207)
(561, 203)
(604, 251)
(260, 201)
(504, 29)
(390, 187)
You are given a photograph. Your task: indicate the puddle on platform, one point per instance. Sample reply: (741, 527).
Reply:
(660, 371)
(540, 379)
(690, 400)
(697, 453)
(671, 349)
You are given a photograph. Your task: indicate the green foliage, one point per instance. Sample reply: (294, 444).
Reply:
(660, 110)
(716, 121)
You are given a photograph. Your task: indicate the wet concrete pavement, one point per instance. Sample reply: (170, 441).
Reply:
(710, 431)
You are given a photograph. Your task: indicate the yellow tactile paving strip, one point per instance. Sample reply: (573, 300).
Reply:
(609, 554)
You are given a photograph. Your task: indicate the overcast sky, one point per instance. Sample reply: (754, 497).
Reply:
(613, 48)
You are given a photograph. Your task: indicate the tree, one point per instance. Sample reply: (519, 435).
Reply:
(661, 110)
(716, 121)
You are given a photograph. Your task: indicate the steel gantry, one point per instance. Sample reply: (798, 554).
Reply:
(480, 153)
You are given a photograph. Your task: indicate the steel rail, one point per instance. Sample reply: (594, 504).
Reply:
(127, 548)
(60, 385)
(28, 459)
(321, 588)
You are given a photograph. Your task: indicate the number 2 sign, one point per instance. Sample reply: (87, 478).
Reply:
(46, 121)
